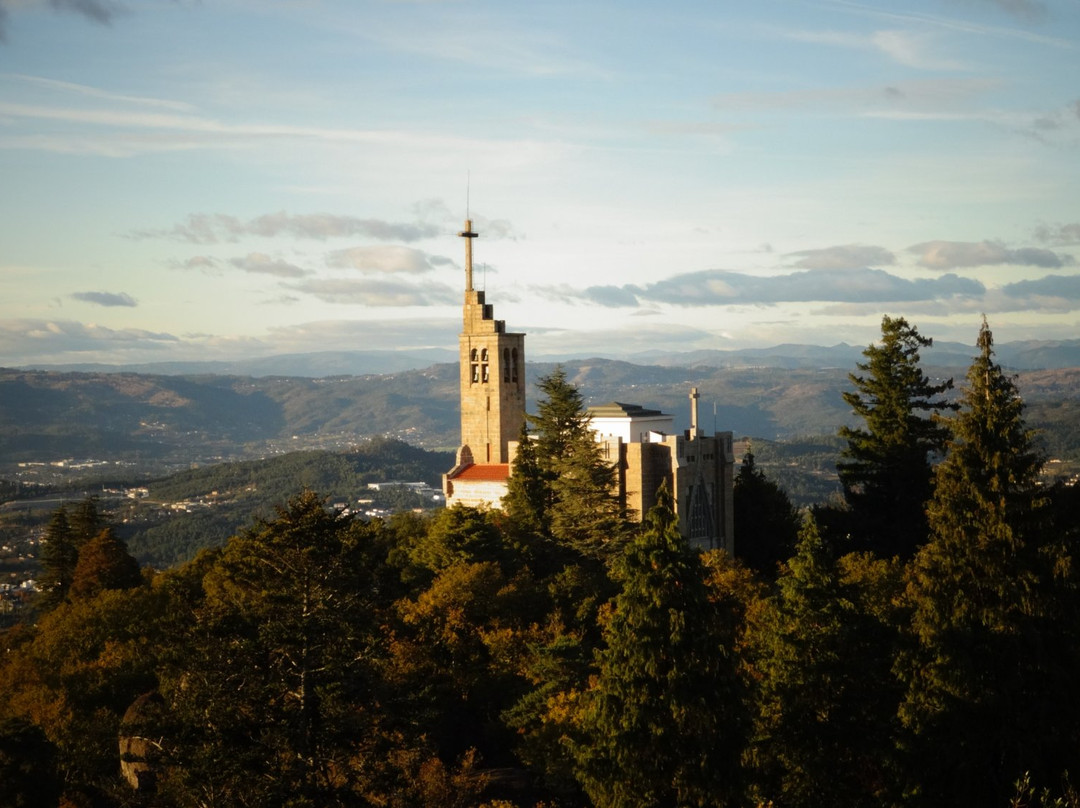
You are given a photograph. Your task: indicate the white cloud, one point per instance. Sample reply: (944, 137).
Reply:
(1059, 234)
(263, 264)
(377, 292)
(389, 259)
(958, 254)
(917, 49)
(46, 340)
(106, 298)
(716, 287)
(97, 93)
(914, 49)
(211, 228)
(845, 256)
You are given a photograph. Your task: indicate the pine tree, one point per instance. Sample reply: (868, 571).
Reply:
(662, 722)
(86, 521)
(885, 469)
(766, 524)
(826, 695)
(566, 485)
(59, 556)
(528, 494)
(990, 682)
(275, 681)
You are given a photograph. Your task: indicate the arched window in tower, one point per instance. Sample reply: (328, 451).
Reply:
(484, 365)
(474, 367)
(506, 364)
(513, 365)
(483, 355)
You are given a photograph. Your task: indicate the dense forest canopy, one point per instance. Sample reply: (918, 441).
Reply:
(555, 655)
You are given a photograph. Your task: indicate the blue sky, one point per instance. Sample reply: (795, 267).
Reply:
(239, 178)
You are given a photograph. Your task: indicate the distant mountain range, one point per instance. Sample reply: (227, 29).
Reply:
(176, 420)
(1021, 355)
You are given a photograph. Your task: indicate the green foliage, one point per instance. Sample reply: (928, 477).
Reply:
(827, 699)
(885, 469)
(74, 674)
(528, 495)
(990, 678)
(273, 686)
(661, 723)
(461, 535)
(86, 520)
(335, 475)
(67, 533)
(470, 658)
(456, 659)
(242, 490)
(59, 555)
(28, 777)
(766, 524)
(1028, 796)
(104, 563)
(565, 488)
(805, 468)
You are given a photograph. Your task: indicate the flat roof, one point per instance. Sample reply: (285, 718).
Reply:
(616, 409)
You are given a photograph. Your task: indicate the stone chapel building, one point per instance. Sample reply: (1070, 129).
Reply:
(641, 443)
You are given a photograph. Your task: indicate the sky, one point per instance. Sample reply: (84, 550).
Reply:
(231, 179)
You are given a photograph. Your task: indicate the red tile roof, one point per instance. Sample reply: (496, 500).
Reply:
(484, 472)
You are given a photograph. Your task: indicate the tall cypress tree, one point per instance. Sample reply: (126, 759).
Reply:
(990, 682)
(662, 723)
(885, 470)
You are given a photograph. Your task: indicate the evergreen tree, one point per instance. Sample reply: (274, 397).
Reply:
(528, 494)
(766, 523)
(86, 521)
(28, 776)
(274, 686)
(991, 680)
(59, 555)
(565, 487)
(104, 563)
(826, 696)
(662, 723)
(885, 469)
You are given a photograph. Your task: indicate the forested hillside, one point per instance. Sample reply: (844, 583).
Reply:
(163, 421)
(555, 654)
(226, 497)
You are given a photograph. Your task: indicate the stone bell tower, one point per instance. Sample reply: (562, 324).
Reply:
(492, 368)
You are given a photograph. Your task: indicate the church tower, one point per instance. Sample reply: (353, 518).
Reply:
(492, 376)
